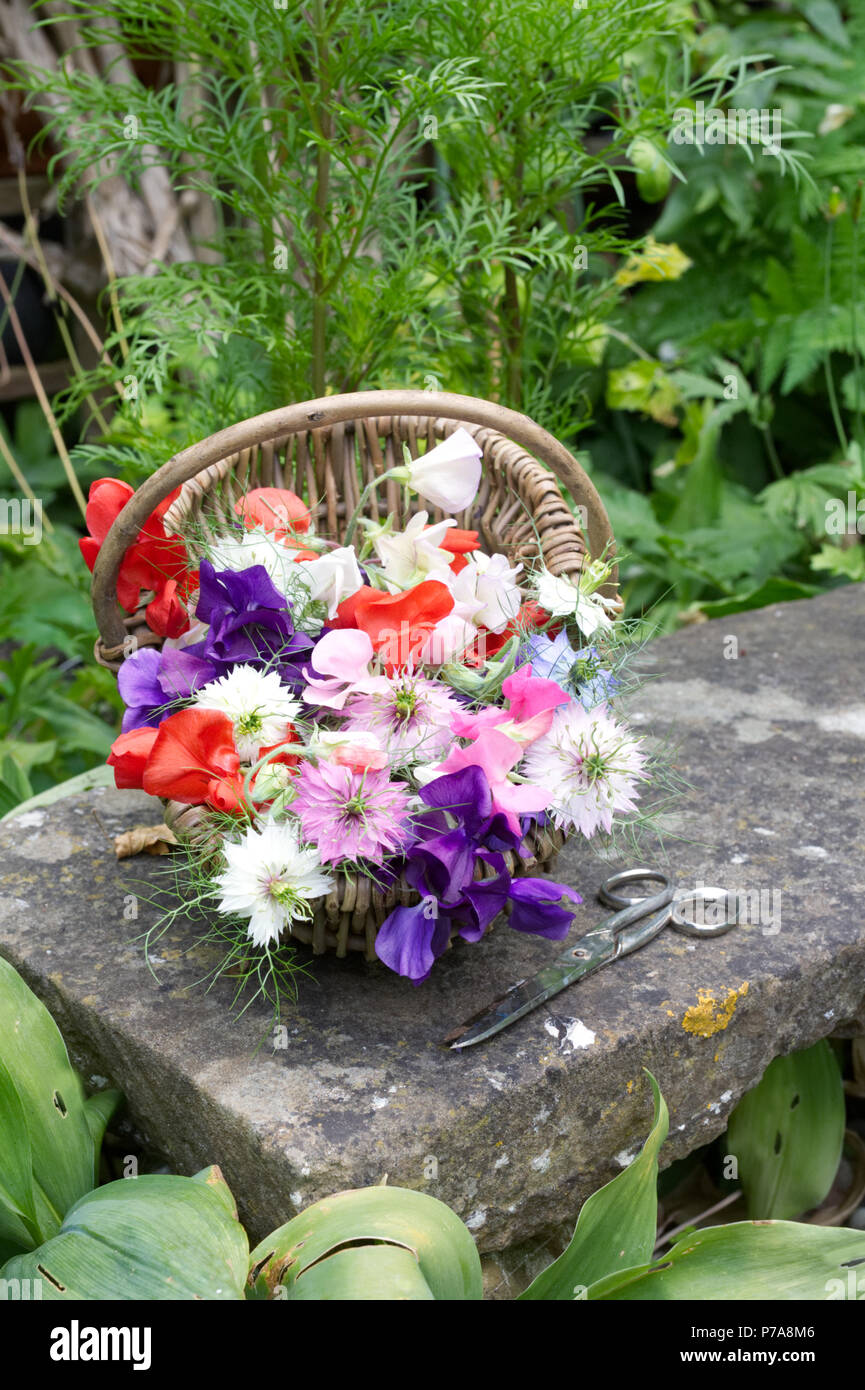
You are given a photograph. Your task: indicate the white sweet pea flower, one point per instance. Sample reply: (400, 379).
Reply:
(260, 707)
(331, 578)
(492, 583)
(409, 557)
(448, 474)
(448, 640)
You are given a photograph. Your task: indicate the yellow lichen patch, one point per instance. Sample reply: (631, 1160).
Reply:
(711, 1014)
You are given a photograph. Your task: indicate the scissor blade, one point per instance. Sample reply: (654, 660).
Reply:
(587, 955)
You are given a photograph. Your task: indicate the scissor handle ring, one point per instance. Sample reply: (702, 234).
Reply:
(702, 895)
(608, 895)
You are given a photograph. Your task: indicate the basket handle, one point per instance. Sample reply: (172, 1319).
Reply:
(318, 414)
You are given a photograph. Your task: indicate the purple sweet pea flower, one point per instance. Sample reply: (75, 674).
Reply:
(411, 939)
(153, 684)
(250, 622)
(144, 697)
(185, 670)
(466, 796)
(537, 907)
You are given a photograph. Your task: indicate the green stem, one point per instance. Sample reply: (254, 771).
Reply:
(324, 128)
(362, 501)
(827, 363)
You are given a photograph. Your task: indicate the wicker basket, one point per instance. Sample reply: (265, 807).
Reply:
(326, 451)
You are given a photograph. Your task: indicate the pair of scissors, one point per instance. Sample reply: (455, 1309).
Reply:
(638, 920)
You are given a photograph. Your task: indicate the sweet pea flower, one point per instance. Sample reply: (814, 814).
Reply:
(194, 759)
(128, 757)
(398, 625)
(358, 749)
(489, 583)
(580, 602)
(276, 509)
(532, 702)
(331, 577)
(152, 561)
(417, 553)
(339, 660)
(448, 474)
(496, 754)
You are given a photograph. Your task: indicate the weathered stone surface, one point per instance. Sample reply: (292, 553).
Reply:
(515, 1133)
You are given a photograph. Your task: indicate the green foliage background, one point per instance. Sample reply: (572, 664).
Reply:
(446, 197)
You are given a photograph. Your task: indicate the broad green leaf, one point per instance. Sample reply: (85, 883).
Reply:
(212, 1178)
(617, 1225)
(101, 776)
(37, 1066)
(156, 1237)
(787, 1134)
(98, 1110)
(747, 1261)
(16, 1160)
(365, 1273)
(774, 590)
(434, 1236)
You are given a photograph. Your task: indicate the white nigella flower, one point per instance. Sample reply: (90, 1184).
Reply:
(590, 763)
(448, 474)
(335, 575)
(258, 705)
(562, 598)
(269, 878)
(408, 557)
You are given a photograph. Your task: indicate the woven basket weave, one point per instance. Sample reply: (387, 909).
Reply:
(327, 451)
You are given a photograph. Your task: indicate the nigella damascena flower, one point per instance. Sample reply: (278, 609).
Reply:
(260, 707)
(352, 815)
(272, 879)
(411, 714)
(591, 765)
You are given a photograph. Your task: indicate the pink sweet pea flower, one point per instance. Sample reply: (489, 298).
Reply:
(340, 660)
(496, 754)
(532, 703)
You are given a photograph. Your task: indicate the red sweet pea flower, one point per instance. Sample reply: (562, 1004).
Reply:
(128, 757)
(396, 624)
(153, 558)
(459, 542)
(276, 509)
(194, 759)
(227, 794)
(489, 644)
(167, 614)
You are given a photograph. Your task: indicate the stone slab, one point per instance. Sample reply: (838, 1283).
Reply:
(513, 1134)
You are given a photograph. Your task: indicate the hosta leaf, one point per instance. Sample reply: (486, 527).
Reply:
(616, 1226)
(98, 1110)
(746, 1261)
(156, 1237)
(101, 776)
(433, 1235)
(365, 1273)
(36, 1065)
(787, 1133)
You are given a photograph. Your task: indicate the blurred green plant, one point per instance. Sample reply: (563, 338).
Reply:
(722, 478)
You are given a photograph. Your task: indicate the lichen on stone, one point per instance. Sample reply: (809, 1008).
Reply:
(711, 1014)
